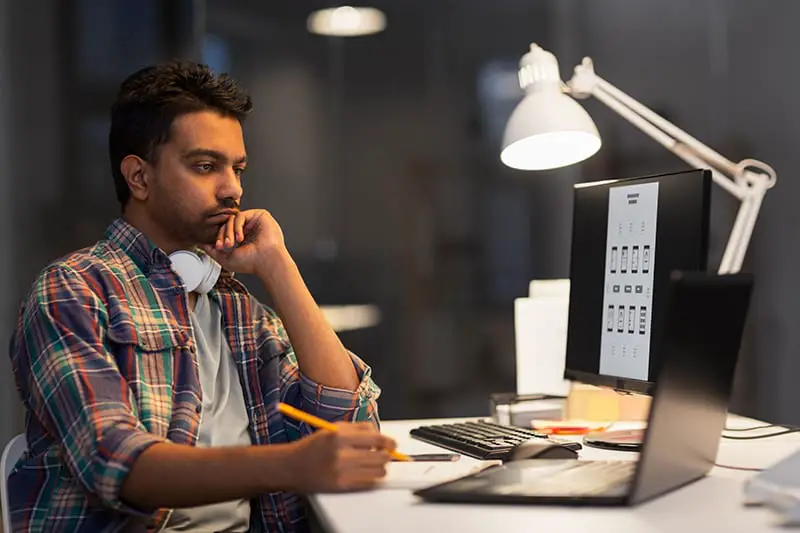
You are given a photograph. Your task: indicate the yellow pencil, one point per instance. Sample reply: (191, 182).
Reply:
(319, 423)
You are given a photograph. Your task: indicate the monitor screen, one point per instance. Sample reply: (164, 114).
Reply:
(628, 235)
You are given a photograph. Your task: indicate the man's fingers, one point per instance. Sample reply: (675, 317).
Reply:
(365, 458)
(366, 428)
(382, 442)
(388, 443)
(230, 232)
(221, 236)
(367, 439)
(375, 472)
(238, 226)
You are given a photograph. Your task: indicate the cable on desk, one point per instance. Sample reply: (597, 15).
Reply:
(787, 430)
(766, 436)
(764, 426)
(745, 468)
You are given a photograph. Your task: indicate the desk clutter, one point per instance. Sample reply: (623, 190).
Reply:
(667, 459)
(586, 404)
(679, 431)
(715, 504)
(480, 439)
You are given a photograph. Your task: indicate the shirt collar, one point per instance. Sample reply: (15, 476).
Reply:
(228, 281)
(146, 254)
(136, 244)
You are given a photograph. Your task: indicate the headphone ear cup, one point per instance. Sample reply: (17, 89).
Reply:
(211, 271)
(198, 272)
(189, 268)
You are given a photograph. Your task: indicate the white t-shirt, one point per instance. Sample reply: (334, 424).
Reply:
(223, 420)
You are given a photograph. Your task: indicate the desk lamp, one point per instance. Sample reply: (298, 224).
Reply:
(548, 129)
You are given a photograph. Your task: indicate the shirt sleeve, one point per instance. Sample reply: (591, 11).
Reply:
(329, 403)
(74, 387)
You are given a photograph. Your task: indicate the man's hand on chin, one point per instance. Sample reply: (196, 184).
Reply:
(250, 242)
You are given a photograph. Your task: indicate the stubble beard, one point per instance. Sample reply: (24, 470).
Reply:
(183, 227)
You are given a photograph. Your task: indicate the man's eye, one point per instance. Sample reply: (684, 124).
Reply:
(239, 171)
(204, 167)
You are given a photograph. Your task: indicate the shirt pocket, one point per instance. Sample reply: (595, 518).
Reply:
(145, 355)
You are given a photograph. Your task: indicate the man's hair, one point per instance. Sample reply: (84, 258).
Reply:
(151, 99)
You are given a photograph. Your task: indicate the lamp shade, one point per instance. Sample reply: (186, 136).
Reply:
(548, 129)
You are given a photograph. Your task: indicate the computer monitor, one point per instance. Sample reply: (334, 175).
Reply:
(628, 236)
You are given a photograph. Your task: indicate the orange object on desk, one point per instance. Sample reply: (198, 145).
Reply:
(566, 427)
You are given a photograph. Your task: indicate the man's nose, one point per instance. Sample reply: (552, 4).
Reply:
(231, 186)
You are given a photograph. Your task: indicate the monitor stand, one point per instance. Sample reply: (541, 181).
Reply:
(619, 439)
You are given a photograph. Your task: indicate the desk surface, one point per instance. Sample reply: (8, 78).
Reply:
(710, 504)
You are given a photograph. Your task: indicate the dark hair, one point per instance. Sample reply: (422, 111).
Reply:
(151, 99)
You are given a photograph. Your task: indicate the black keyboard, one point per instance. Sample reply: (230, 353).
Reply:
(481, 440)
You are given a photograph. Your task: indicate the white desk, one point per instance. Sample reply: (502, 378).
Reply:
(710, 504)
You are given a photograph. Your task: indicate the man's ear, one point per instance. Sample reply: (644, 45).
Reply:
(135, 170)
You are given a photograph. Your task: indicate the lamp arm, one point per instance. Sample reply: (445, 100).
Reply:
(742, 230)
(679, 136)
(748, 186)
(691, 157)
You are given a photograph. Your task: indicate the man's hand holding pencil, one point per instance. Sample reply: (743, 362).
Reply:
(342, 456)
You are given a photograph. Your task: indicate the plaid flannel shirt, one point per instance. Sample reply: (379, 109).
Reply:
(105, 363)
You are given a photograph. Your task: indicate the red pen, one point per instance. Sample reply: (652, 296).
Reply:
(565, 430)
(568, 430)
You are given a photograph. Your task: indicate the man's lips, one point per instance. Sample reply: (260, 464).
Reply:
(222, 216)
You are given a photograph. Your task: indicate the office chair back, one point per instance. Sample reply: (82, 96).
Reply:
(11, 454)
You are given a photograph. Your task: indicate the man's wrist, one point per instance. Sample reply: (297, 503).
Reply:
(275, 264)
(274, 465)
(178, 475)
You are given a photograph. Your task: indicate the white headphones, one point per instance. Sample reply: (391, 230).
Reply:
(198, 273)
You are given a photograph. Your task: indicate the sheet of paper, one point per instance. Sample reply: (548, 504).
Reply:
(417, 475)
(540, 327)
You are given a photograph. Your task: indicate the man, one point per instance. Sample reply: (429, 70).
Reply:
(150, 408)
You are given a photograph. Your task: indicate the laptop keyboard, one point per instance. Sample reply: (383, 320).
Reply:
(481, 440)
(579, 478)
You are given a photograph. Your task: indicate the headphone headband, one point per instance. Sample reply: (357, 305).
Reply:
(198, 273)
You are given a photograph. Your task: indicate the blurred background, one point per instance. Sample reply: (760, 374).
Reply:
(379, 156)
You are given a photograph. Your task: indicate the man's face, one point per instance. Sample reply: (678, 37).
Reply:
(197, 177)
